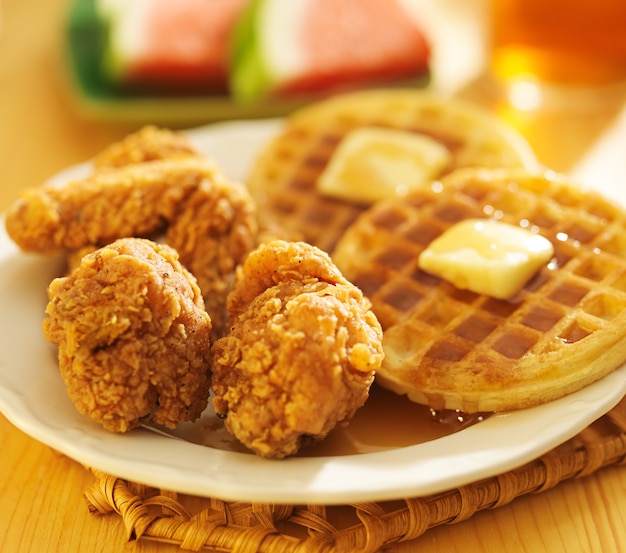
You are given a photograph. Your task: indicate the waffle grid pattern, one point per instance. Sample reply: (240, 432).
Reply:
(283, 181)
(580, 296)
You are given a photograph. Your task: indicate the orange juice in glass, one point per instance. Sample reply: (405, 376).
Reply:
(561, 44)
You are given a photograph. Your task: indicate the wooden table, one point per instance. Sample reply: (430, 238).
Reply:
(41, 132)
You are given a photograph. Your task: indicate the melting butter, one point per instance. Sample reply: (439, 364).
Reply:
(487, 256)
(371, 164)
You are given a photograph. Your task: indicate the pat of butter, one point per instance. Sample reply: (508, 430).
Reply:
(487, 256)
(370, 164)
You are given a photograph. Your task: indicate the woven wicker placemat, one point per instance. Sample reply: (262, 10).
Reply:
(195, 523)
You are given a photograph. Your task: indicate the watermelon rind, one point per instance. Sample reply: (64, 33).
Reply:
(250, 76)
(123, 24)
(269, 57)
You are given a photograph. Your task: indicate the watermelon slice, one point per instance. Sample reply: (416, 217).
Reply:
(169, 44)
(301, 46)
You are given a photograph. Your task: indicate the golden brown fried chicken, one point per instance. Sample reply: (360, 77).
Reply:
(301, 353)
(213, 233)
(135, 200)
(208, 218)
(74, 258)
(148, 144)
(132, 336)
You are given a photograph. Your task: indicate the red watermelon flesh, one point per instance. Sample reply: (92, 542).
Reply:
(182, 44)
(358, 41)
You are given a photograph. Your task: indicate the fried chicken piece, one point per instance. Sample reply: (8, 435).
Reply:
(132, 336)
(135, 200)
(208, 218)
(279, 261)
(74, 258)
(301, 352)
(150, 143)
(213, 233)
(212, 236)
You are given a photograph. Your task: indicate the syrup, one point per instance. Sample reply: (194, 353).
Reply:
(387, 421)
(390, 421)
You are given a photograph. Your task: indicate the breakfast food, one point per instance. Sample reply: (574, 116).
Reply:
(301, 352)
(319, 46)
(285, 178)
(148, 184)
(477, 283)
(132, 336)
(453, 348)
(486, 256)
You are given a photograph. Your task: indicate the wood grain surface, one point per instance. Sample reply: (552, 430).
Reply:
(41, 503)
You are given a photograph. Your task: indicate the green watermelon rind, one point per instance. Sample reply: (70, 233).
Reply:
(86, 36)
(114, 60)
(112, 63)
(250, 74)
(258, 71)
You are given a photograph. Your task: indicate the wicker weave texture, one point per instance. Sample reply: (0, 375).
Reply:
(196, 523)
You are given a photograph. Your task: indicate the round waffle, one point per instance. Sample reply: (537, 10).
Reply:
(283, 180)
(452, 348)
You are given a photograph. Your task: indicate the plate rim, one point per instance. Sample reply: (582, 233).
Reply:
(325, 480)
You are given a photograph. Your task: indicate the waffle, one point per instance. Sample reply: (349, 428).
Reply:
(283, 180)
(452, 348)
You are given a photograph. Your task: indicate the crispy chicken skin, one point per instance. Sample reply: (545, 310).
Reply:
(301, 353)
(147, 144)
(132, 336)
(213, 234)
(134, 200)
(209, 219)
(279, 261)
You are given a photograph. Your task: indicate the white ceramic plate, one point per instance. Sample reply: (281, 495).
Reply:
(356, 465)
